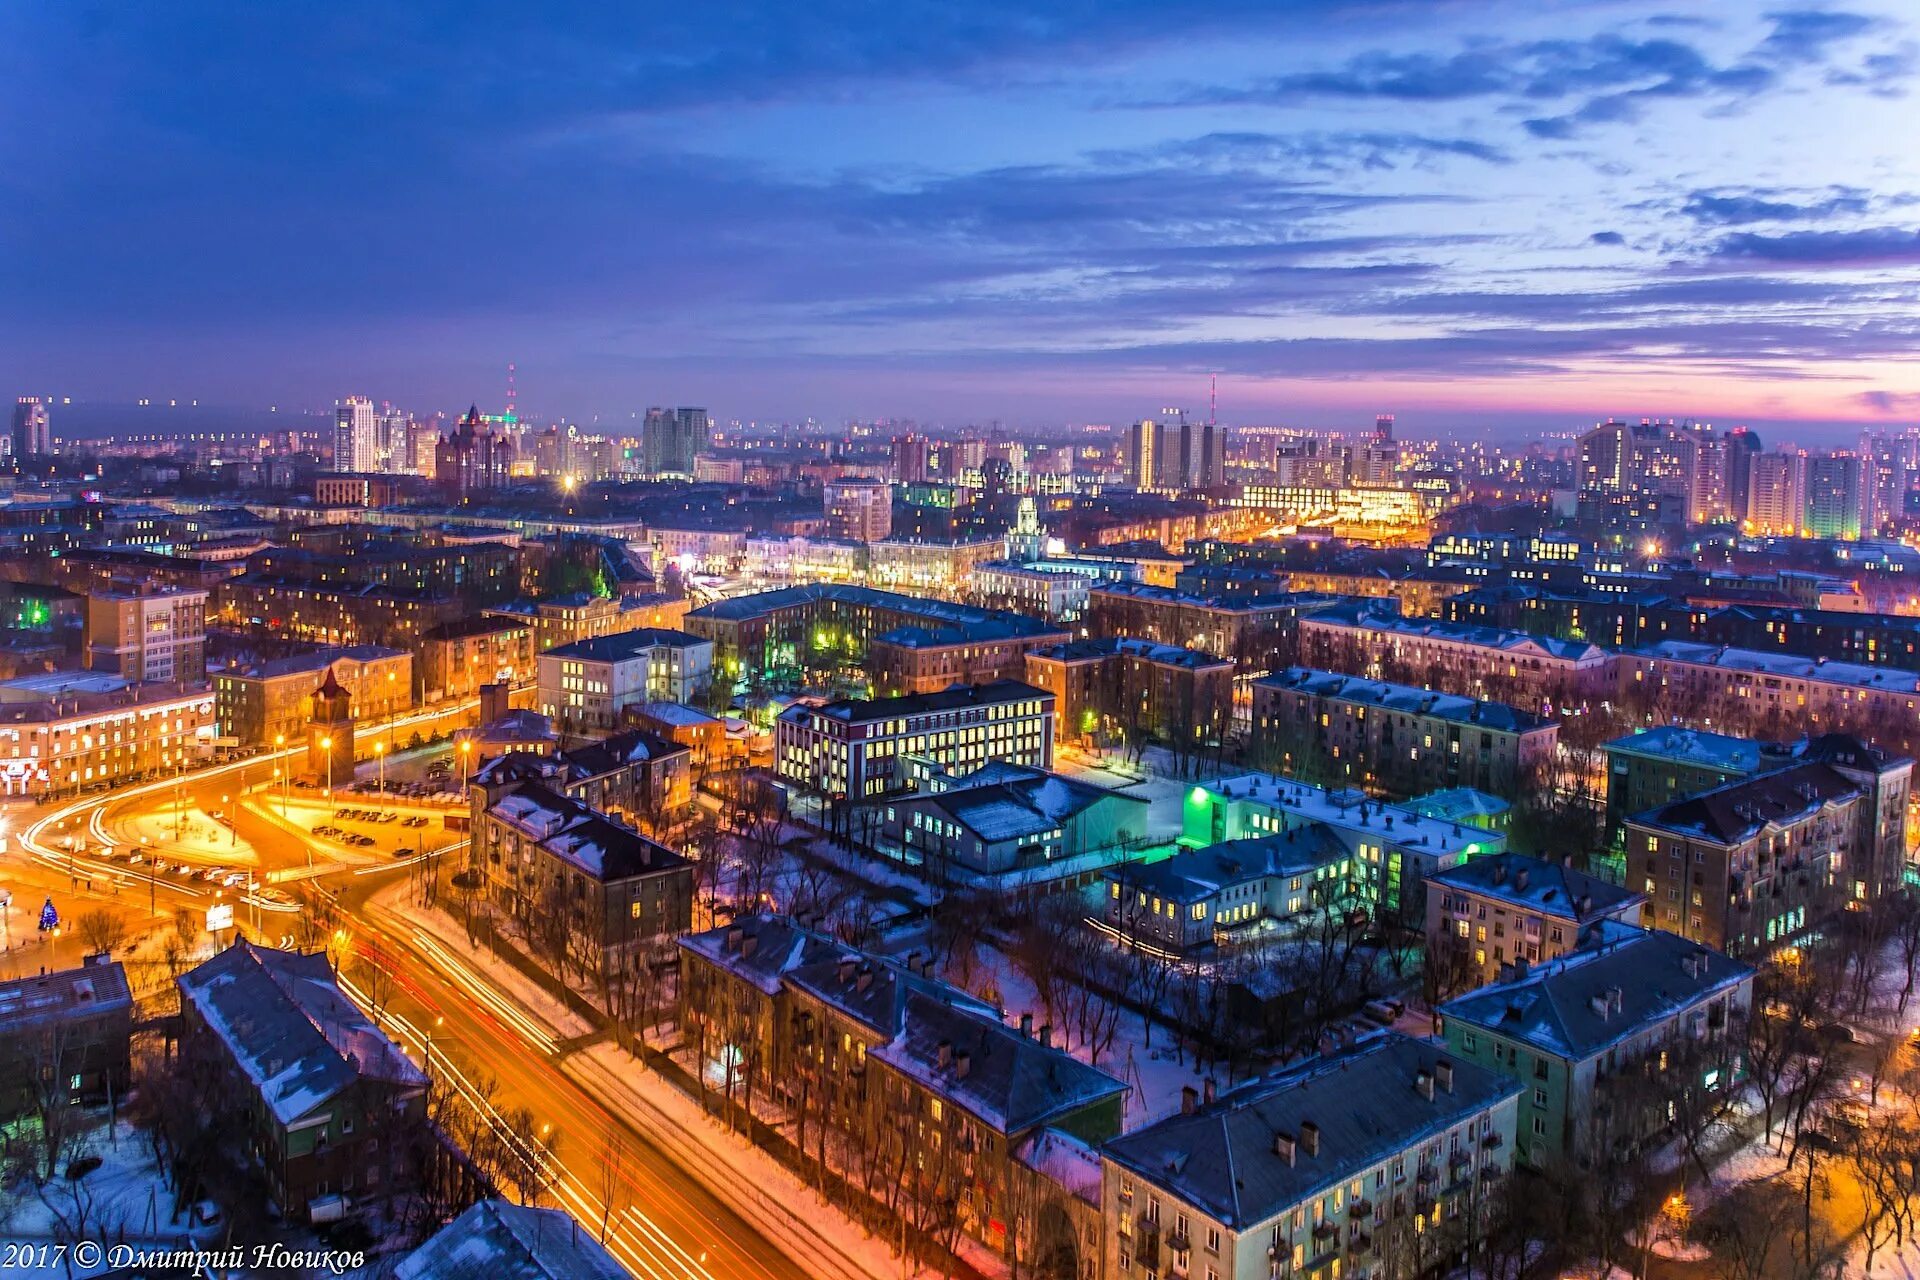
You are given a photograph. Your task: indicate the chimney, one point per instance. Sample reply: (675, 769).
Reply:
(1283, 1147)
(749, 944)
(1520, 879)
(1423, 1084)
(1500, 873)
(1443, 1075)
(962, 1061)
(1026, 1026)
(845, 970)
(1189, 1099)
(733, 937)
(1601, 1005)
(1207, 1093)
(1046, 1036)
(864, 979)
(1310, 1137)
(944, 1054)
(1615, 999)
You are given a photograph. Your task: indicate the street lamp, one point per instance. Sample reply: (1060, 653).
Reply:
(326, 745)
(427, 1069)
(380, 755)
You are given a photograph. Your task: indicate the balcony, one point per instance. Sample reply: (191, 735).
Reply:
(1360, 1209)
(1492, 1142)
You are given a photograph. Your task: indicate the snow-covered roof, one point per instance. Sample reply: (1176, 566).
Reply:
(1404, 698)
(599, 845)
(1793, 666)
(1353, 810)
(1371, 616)
(1006, 1080)
(499, 1240)
(1006, 801)
(289, 1027)
(1064, 1160)
(1579, 1004)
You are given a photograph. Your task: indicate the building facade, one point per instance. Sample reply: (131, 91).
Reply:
(158, 634)
(865, 748)
(585, 687)
(265, 703)
(1134, 692)
(456, 658)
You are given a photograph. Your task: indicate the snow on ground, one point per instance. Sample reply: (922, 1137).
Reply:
(128, 1197)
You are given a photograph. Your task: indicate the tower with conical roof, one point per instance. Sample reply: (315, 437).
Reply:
(330, 734)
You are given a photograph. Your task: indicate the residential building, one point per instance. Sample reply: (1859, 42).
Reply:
(356, 436)
(1254, 632)
(1506, 907)
(634, 776)
(1394, 737)
(297, 609)
(1041, 590)
(1838, 497)
(456, 658)
(1000, 819)
(65, 1037)
(354, 489)
(1776, 494)
(475, 459)
(1118, 689)
(262, 703)
(779, 634)
(1392, 849)
(1378, 1159)
(1670, 762)
(793, 558)
(929, 566)
(317, 1087)
(1755, 863)
(590, 896)
(569, 619)
(670, 439)
(1602, 1037)
(1478, 662)
(159, 633)
(705, 737)
(929, 658)
(1774, 695)
(864, 748)
(859, 508)
(502, 1240)
(65, 732)
(32, 429)
(586, 686)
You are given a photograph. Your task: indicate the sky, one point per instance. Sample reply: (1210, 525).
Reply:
(1480, 216)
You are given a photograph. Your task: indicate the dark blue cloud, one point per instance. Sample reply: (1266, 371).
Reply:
(1805, 35)
(1607, 238)
(1869, 247)
(1738, 208)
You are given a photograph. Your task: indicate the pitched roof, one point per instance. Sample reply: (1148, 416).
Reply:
(1536, 885)
(1736, 811)
(1197, 875)
(1578, 1004)
(1404, 698)
(1002, 800)
(760, 948)
(290, 1028)
(605, 849)
(861, 710)
(499, 1240)
(1364, 1102)
(1005, 1080)
(623, 646)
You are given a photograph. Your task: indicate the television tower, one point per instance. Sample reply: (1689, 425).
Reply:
(1213, 398)
(512, 417)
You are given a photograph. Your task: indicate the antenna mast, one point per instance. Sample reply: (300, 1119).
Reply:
(1213, 398)
(511, 415)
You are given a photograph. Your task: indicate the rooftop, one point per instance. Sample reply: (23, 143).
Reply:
(1892, 679)
(500, 1240)
(1353, 810)
(1579, 1004)
(1535, 885)
(1738, 810)
(623, 646)
(1110, 646)
(863, 710)
(931, 612)
(1363, 1105)
(314, 662)
(1199, 875)
(91, 987)
(1003, 801)
(605, 849)
(1694, 746)
(1406, 699)
(1236, 603)
(1369, 616)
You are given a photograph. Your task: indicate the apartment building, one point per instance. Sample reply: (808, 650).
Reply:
(1507, 907)
(262, 703)
(1374, 1160)
(1254, 632)
(1010, 821)
(67, 1035)
(929, 566)
(297, 609)
(317, 1087)
(929, 658)
(1775, 695)
(858, 508)
(1125, 690)
(456, 658)
(569, 619)
(1394, 737)
(1251, 889)
(863, 748)
(585, 687)
(1755, 863)
(1601, 1037)
(1669, 762)
(67, 732)
(1475, 662)
(155, 634)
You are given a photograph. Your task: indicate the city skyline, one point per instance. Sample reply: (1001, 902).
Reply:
(1504, 219)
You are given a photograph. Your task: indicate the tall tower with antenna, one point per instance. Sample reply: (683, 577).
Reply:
(1213, 398)
(513, 416)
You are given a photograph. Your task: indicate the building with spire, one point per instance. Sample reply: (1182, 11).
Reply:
(474, 459)
(330, 734)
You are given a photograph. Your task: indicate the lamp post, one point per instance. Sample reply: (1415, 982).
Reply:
(380, 756)
(326, 745)
(427, 1069)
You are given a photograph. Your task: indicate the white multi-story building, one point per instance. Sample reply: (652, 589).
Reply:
(159, 634)
(867, 747)
(586, 685)
(356, 436)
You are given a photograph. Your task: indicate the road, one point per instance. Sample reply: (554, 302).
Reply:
(663, 1224)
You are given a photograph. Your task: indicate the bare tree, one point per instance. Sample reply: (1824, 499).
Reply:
(101, 931)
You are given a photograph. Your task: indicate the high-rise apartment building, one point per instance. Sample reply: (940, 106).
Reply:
(32, 428)
(1741, 446)
(356, 436)
(671, 438)
(1776, 493)
(159, 634)
(474, 458)
(859, 508)
(1143, 448)
(1836, 497)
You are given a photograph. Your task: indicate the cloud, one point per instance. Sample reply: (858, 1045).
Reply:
(1738, 208)
(1870, 247)
(1903, 403)
(1607, 237)
(1804, 35)
(1325, 151)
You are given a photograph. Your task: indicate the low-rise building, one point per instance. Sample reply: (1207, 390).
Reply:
(1508, 907)
(929, 566)
(1242, 891)
(297, 608)
(456, 658)
(262, 703)
(704, 736)
(64, 1038)
(927, 659)
(1254, 632)
(1756, 862)
(1535, 672)
(569, 619)
(1376, 1160)
(1132, 691)
(506, 1241)
(591, 897)
(1669, 762)
(1602, 1037)
(1004, 818)
(1393, 849)
(587, 686)
(68, 732)
(1057, 594)
(863, 748)
(318, 1088)
(1395, 737)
